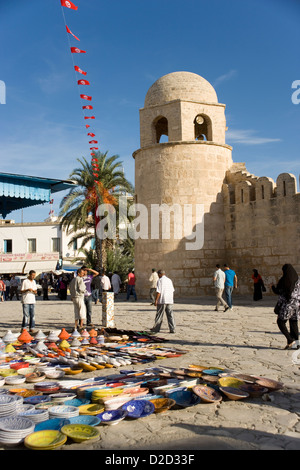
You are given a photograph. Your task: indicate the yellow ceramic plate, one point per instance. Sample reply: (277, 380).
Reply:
(45, 440)
(80, 432)
(230, 382)
(72, 371)
(8, 372)
(91, 409)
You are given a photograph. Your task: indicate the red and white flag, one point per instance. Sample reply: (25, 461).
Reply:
(94, 148)
(78, 69)
(75, 50)
(91, 134)
(89, 117)
(87, 107)
(70, 32)
(68, 4)
(93, 142)
(85, 97)
(83, 82)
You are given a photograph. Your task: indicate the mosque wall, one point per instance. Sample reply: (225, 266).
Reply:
(262, 225)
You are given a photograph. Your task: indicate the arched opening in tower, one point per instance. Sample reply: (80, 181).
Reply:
(161, 130)
(202, 127)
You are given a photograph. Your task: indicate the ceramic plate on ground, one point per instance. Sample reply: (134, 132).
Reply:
(138, 408)
(80, 432)
(54, 424)
(234, 393)
(269, 383)
(254, 390)
(113, 416)
(162, 404)
(184, 398)
(45, 440)
(207, 394)
(230, 382)
(91, 409)
(85, 419)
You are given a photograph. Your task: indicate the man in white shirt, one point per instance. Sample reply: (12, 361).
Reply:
(164, 302)
(153, 284)
(105, 282)
(219, 282)
(29, 291)
(77, 290)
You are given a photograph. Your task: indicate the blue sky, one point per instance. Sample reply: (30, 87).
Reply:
(248, 50)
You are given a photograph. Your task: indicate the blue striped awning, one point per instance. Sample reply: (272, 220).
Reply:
(19, 191)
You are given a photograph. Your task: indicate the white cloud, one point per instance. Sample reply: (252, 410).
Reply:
(248, 137)
(224, 78)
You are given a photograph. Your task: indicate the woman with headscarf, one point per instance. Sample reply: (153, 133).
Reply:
(288, 305)
(258, 285)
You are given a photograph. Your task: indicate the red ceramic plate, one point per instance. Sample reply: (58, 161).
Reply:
(19, 365)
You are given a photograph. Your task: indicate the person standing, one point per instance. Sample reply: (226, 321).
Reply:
(219, 283)
(77, 291)
(131, 279)
(288, 305)
(45, 286)
(89, 275)
(7, 288)
(258, 285)
(230, 283)
(164, 302)
(2, 289)
(14, 288)
(29, 291)
(116, 283)
(96, 288)
(153, 284)
(105, 282)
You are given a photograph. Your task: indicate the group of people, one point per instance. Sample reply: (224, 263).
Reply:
(224, 280)
(9, 287)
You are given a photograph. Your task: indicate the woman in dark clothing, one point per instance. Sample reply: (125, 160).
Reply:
(258, 285)
(288, 305)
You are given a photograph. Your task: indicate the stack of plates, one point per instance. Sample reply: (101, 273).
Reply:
(8, 405)
(37, 416)
(47, 387)
(62, 411)
(13, 430)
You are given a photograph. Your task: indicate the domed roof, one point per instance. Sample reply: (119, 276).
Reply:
(181, 85)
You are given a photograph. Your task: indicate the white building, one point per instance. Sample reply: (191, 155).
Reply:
(37, 245)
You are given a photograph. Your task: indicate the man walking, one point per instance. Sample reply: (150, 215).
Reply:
(77, 290)
(14, 288)
(230, 283)
(219, 283)
(153, 284)
(29, 291)
(89, 275)
(164, 302)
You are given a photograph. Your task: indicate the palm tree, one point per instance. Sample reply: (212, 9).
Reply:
(78, 208)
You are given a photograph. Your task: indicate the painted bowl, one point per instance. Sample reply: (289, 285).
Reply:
(80, 432)
(112, 417)
(138, 408)
(207, 394)
(184, 398)
(14, 380)
(162, 404)
(212, 371)
(62, 397)
(90, 409)
(54, 374)
(254, 390)
(270, 384)
(45, 440)
(234, 393)
(54, 424)
(84, 419)
(231, 382)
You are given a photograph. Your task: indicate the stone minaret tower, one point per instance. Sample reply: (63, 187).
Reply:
(182, 163)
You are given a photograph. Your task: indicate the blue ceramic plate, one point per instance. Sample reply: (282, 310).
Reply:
(36, 399)
(77, 402)
(112, 416)
(212, 371)
(138, 408)
(51, 424)
(184, 398)
(85, 419)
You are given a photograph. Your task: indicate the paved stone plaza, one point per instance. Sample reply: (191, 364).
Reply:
(245, 339)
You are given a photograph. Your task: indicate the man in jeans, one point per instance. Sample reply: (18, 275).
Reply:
(164, 302)
(29, 291)
(230, 283)
(219, 281)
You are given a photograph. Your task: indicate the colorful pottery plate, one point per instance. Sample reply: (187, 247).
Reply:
(230, 382)
(234, 393)
(162, 404)
(91, 409)
(207, 394)
(80, 432)
(45, 440)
